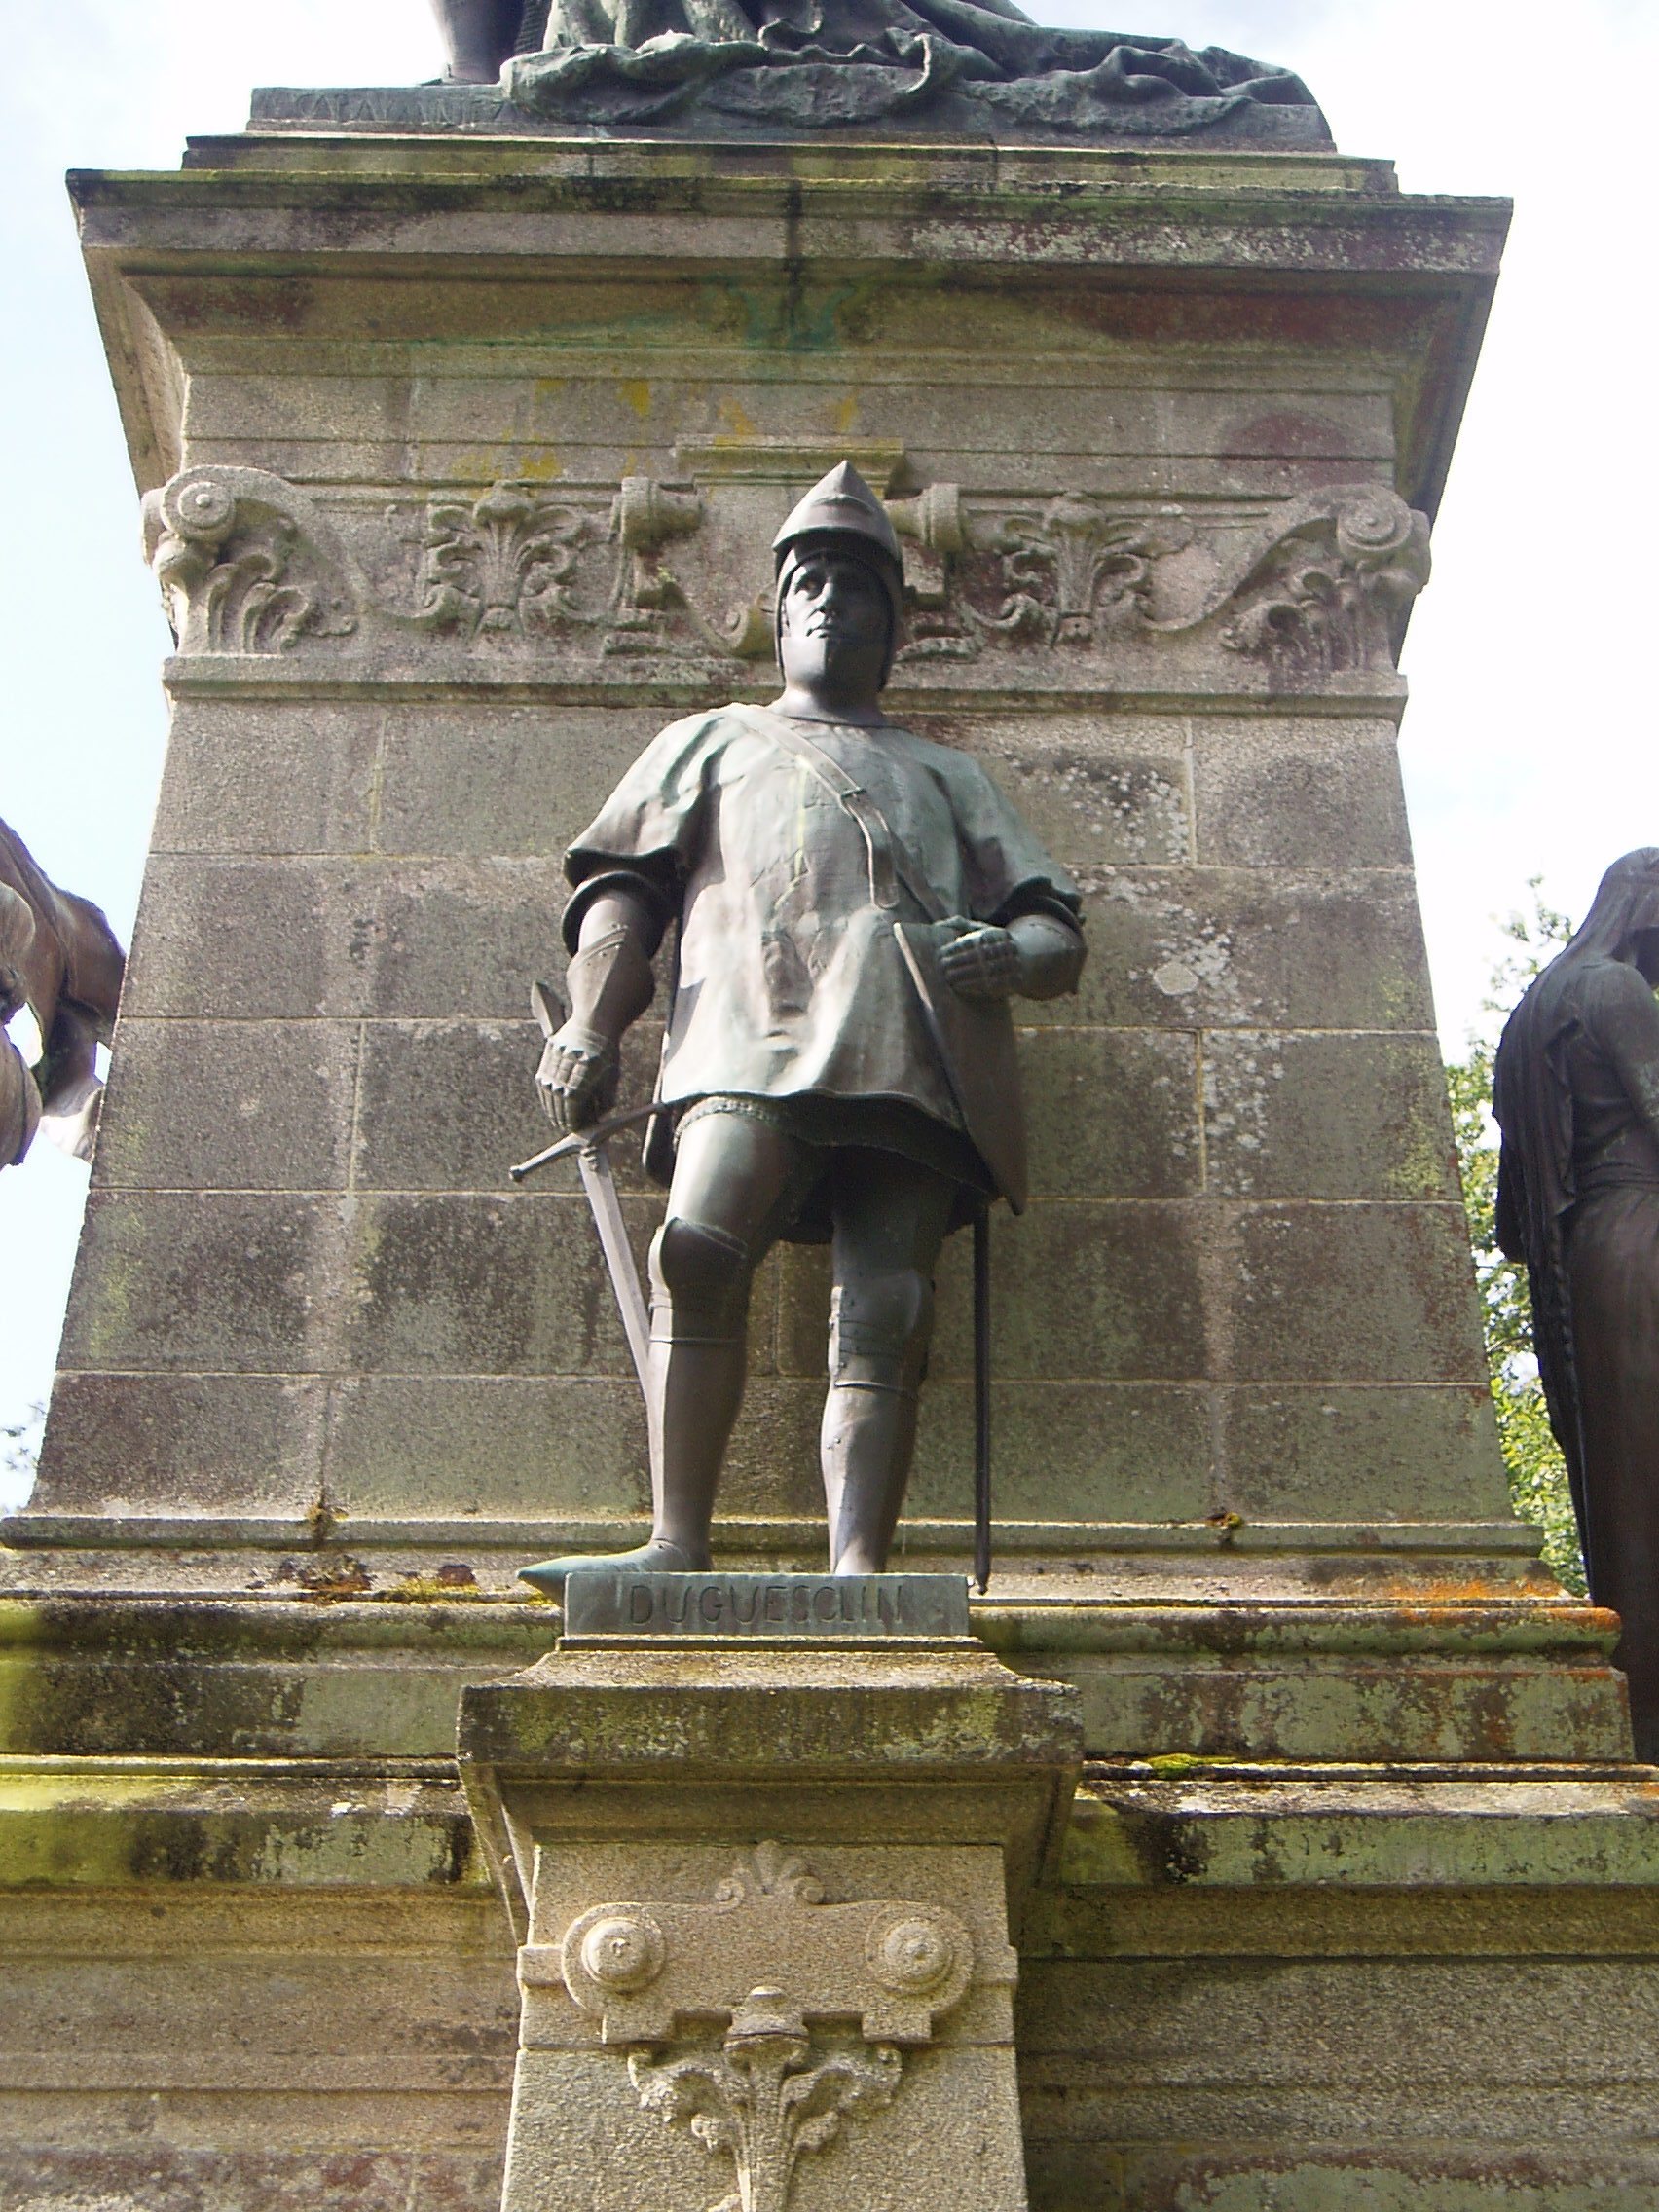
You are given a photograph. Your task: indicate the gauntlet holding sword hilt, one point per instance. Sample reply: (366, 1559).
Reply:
(589, 1148)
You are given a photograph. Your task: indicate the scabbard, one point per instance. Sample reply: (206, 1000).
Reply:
(982, 1398)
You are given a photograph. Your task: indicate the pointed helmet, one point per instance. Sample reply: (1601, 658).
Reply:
(841, 506)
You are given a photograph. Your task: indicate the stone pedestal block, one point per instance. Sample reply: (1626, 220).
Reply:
(764, 1886)
(462, 455)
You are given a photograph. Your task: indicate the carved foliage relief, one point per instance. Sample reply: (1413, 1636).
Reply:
(248, 565)
(821, 2002)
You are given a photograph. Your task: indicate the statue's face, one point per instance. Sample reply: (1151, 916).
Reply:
(832, 628)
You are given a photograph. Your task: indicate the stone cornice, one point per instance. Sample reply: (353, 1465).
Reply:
(297, 237)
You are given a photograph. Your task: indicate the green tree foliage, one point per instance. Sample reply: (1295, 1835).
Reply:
(20, 1457)
(1537, 1474)
(20, 1443)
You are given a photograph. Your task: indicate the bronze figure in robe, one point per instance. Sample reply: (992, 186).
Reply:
(1575, 1090)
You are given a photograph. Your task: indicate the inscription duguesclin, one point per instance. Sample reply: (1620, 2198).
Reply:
(606, 1601)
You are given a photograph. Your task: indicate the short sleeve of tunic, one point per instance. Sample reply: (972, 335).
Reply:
(1006, 871)
(645, 838)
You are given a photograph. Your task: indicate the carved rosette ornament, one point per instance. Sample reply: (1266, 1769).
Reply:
(778, 1961)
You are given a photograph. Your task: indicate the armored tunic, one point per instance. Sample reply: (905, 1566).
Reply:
(791, 983)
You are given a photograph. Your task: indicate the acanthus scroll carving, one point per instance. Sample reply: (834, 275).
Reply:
(1332, 593)
(245, 562)
(821, 1999)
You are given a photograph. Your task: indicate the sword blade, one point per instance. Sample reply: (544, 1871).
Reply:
(593, 1165)
(981, 1287)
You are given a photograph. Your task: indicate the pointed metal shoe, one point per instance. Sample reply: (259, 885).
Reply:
(658, 1557)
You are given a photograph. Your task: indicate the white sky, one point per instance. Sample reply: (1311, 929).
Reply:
(1526, 655)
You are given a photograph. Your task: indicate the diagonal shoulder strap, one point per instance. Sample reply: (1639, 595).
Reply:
(889, 862)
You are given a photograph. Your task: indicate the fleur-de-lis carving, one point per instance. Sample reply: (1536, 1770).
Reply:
(762, 2098)
(1059, 567)
(502, 565)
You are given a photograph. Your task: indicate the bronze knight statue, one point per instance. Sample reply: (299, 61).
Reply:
(1575, 1090)
(852, 909)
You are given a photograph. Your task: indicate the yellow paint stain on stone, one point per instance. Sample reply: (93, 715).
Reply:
(496, 464)
(738, 426)
(846, 415)
(638, 394)
(473, 465)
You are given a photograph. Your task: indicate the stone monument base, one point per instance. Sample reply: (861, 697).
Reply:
(967, 116)
(763, 1837)
(255, 1949)
(460, 442)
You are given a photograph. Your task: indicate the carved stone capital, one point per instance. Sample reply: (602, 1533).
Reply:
(769, 1955)
(759, 2001)
(644, 1971)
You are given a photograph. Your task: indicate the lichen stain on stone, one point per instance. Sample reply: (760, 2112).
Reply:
(1424, 1164)
(1240, 1120)
(1386, 2180)
(532, 464)
(1170, 1851)
(1127, 804)
(152, 1681)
